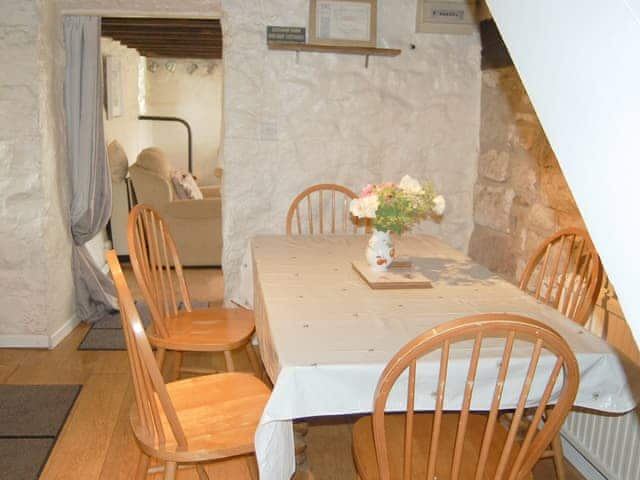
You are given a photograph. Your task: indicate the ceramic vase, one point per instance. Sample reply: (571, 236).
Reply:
(380, 251)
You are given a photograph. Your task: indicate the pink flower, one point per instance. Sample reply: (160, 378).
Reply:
(366, 191)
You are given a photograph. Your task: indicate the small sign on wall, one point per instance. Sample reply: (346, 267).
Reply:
(448, 17)
(286, 34)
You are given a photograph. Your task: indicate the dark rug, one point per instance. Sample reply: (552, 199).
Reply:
(107, 334)
(31, 418)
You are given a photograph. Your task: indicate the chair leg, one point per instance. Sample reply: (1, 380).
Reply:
(143, 465)
(160, 354)
(558, 457)
(228, 360)
(253, 359)
(177, 364)
(202, 473)
(170, 470)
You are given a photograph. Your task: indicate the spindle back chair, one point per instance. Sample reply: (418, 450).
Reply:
(323, 209)
(193, 421)
(176, 326)
(565, 272)
(152, 399)
(157, 266)
(466, 445)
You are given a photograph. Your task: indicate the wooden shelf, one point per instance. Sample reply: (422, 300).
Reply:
(311, 47)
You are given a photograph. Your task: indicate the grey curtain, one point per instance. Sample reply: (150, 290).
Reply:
(88, 172)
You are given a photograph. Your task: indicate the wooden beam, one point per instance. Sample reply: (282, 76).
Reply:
(158, 31)
(170, 42)
(161, 34)
(161, 22)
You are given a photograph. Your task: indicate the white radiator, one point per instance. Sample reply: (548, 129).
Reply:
(609, 443)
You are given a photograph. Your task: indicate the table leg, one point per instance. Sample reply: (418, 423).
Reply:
(303, 471)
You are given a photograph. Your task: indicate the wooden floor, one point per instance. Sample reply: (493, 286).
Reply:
(96, 442)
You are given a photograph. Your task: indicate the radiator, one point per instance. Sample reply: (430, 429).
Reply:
(610, 443)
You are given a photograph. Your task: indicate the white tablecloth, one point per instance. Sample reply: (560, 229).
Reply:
(325, 336)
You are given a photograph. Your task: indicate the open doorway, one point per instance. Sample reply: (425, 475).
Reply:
(163, 91)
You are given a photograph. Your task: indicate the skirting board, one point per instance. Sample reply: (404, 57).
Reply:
(579, 461)
(60, 334)
(39, 341)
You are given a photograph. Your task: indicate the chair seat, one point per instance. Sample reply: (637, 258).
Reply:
(218, 413)
(207, 330)
(365, 456)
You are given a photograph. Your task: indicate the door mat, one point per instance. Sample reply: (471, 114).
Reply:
(31, 418)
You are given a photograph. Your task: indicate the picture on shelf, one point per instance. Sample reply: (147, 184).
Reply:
(343, 23)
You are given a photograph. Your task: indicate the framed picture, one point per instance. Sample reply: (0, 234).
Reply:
(113, 86)
(449, 17)
(346, 23)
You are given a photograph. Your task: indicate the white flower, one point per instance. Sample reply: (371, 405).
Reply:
(355, 208)
(364, 207)
(410, 185)
(439, 205)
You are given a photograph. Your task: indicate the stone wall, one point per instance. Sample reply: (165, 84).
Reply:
(289, 123)
(521, 196)
(23, 272)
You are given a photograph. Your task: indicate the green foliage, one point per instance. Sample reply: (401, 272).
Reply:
(399, 209)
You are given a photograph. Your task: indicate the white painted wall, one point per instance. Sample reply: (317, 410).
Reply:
(580, 63)
(197, 98)
(23, 252)
(289, 125)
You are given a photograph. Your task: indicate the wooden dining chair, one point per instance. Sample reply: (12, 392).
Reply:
(461, 444)
(564, 272)
(194, 421)
(159, 274)
(323, 209)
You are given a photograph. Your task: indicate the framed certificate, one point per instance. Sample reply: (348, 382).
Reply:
(347, 23)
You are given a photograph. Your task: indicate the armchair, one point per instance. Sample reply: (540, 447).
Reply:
(196, 225)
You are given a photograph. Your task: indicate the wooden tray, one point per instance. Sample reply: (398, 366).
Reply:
(397, 277)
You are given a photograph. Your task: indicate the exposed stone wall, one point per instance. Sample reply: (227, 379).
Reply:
(22, 253)
(521, 196)
(326, 118)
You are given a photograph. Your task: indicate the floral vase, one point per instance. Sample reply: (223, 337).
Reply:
(380, 252)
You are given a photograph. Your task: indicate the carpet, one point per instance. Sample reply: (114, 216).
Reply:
(31, 418)
(107, 334)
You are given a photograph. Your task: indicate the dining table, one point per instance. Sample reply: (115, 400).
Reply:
(325, 335)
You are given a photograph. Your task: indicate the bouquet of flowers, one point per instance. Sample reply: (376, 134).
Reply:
(396, 207)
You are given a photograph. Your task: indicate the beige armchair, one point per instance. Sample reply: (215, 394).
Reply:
(196, 225)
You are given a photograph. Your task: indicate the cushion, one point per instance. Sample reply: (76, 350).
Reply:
(118, 161)
(186, 186)
(154, 160)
